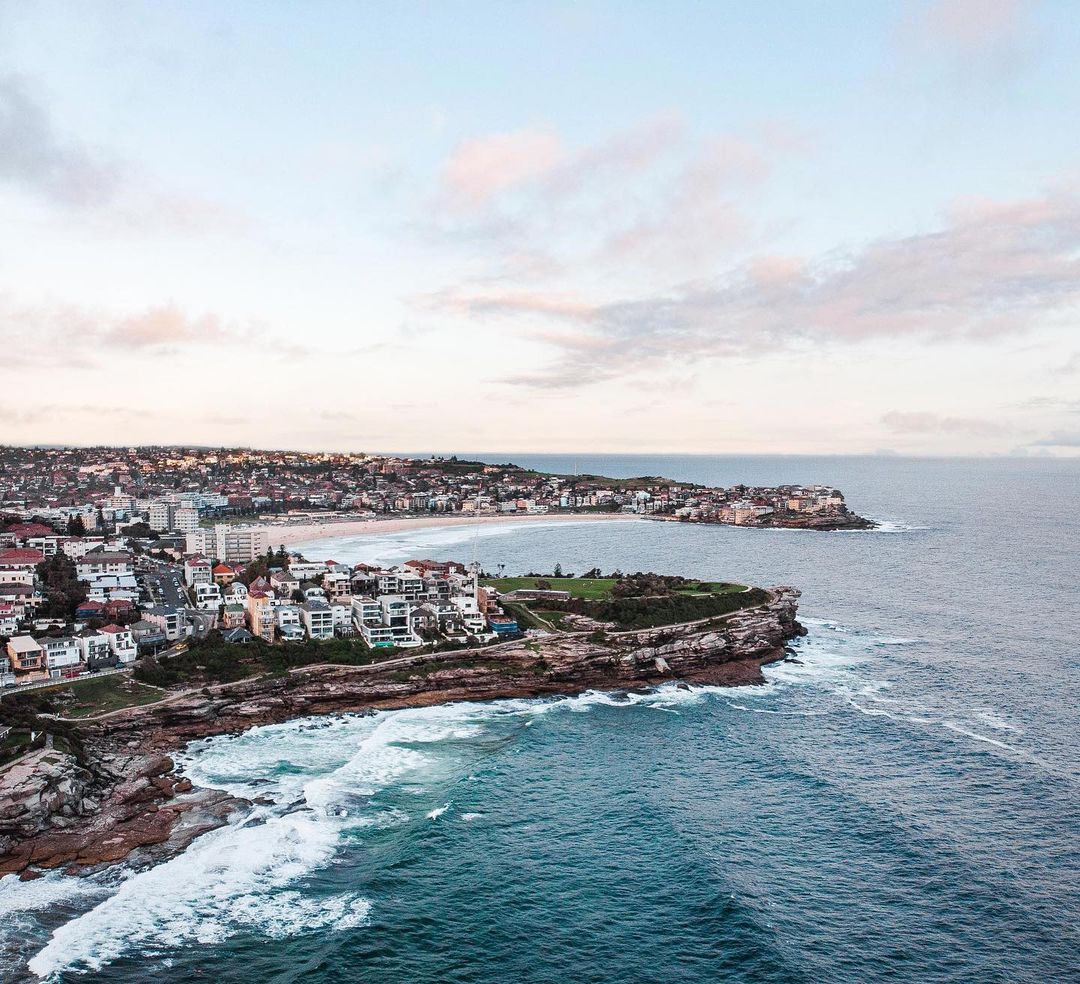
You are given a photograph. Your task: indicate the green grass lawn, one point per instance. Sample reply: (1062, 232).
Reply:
(107, 693)
(579, 587)
(711, 587)
(599, 589)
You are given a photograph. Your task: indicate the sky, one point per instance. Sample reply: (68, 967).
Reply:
(785, 227)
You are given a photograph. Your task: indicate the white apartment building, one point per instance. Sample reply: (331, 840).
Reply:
(121, 643)
(94, 647)
(185, 520)
(201, 541)
(318, 619)
(197, 570)
(60, 653)
(289, 623)
(240, 544)
(305, 570)
(207, 597)
(160, 515)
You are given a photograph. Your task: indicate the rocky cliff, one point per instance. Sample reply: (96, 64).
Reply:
(127, 798)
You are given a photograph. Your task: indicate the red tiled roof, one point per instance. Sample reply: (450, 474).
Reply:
(17, 556)
(30, 529)
(223, 569)
(113, 629)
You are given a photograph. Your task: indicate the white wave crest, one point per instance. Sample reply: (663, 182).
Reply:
(245, 877)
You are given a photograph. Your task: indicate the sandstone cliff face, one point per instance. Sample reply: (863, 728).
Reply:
(57, 813)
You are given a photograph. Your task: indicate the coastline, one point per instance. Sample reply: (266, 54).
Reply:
(288, 534)
(127, 801)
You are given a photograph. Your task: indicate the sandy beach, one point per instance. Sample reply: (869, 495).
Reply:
(288, 534)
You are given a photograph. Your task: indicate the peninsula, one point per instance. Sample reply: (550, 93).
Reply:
(102, 787)
(201, 499)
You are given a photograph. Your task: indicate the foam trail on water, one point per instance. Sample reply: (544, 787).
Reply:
(953, 726)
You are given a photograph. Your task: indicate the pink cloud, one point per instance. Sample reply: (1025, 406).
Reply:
(73, 336)
(484, 167)
(993, 269)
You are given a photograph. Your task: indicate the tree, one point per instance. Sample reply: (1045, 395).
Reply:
(76, 526)
(558, 571)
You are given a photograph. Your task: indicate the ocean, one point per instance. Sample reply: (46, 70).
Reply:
(902, 803)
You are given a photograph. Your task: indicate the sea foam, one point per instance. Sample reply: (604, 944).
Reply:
(253, 876)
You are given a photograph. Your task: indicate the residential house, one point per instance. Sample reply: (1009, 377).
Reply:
(26, 658)
(95, 649)
(98, 562)
(337, 585)
(233, 616)
(121, 643)
(238, 636)
(197, 570)
(318, 619)
(207, 597)
(62, 656)
(170, 621)
(284, 583)
(224, 574)
(89, 609)
(17, 565)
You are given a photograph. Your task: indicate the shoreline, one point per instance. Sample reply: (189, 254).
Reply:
(290, 534)
(127, 799)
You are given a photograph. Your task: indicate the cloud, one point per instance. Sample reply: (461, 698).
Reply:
(35, 157)
(991, 270)
(481, 168)
(538, 160)
(925, 422)
(649, 201)
(20, 416)
(71, 336)
(167, 326)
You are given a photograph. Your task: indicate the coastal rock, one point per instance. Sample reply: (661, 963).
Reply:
(126, 796)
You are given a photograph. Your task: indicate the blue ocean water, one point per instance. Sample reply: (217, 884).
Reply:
(901, 804)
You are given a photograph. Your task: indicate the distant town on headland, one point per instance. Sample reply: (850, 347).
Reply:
(184, 491)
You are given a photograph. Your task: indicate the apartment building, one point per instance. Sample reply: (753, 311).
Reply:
(17, 565)
(240, 544)
(26, 659)
(121, 643)
(318, 619)
(98, 562)
(62, 656)
(197, 570)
